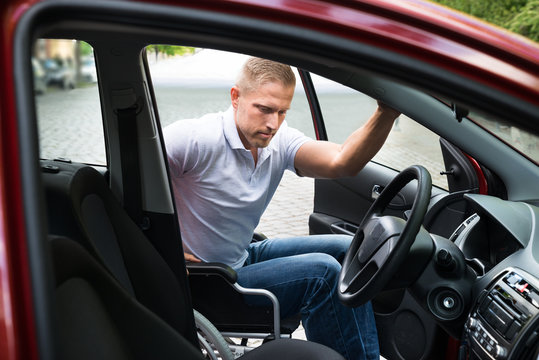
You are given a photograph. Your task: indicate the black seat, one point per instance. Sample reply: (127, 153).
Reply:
(231, 313)
(97, 319)
(81, 206)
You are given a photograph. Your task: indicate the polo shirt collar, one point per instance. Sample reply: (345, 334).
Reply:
(230, 130)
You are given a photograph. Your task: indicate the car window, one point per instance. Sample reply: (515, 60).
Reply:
(515, 136)
(409, 143)
(191, 82)
(67, 100)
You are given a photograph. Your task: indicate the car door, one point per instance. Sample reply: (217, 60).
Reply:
(405, 330)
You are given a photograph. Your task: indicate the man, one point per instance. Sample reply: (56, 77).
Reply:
(225, 169)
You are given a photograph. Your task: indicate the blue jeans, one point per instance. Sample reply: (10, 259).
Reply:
(303, 273)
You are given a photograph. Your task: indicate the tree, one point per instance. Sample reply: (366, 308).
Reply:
(527, 21)
(519, 16)
(170, 50)
(82, 49)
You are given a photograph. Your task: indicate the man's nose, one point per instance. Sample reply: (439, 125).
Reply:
(272, 121)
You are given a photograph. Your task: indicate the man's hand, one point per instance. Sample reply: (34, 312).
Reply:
(191, 257)
(388, 111)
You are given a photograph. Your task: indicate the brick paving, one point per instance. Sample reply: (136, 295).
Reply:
(288, 213)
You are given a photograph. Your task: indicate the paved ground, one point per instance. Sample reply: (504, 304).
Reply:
(288, 213)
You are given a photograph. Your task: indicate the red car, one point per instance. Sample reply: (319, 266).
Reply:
(462, 280)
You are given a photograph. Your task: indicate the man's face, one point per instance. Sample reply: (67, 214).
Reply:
(260, 113)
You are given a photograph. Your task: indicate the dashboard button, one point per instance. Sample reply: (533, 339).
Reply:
(473, 324)
(501, 352)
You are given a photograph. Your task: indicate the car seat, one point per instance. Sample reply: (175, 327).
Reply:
(96, 318)
(80, 205)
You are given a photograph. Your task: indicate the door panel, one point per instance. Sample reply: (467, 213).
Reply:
(340, 204)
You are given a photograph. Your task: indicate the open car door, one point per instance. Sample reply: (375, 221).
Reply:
(405, 330)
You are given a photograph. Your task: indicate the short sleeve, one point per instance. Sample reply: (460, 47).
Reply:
(292, 140)
(182, 149)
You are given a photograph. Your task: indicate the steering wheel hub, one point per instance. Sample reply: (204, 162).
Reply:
(382, 242)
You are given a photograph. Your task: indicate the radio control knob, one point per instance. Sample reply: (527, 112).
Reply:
(501, 352)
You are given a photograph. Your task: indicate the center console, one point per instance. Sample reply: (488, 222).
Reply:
(504, 323)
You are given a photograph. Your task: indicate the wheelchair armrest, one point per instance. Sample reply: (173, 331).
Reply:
(213, 268)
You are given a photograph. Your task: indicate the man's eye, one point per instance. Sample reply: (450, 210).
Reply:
(282, 112)
(265, 110)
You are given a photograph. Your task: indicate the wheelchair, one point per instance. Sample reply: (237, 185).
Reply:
(230, 312)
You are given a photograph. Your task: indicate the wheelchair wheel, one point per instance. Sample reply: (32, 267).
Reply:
(212, 343)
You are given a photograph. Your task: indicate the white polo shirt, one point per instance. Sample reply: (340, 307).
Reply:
(220, 194)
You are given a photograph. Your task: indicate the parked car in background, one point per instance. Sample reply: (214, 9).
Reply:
(88, 70)
(451, 267)
(59, 73)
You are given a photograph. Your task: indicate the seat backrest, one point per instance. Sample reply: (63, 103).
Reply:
(81, 206)
(98, 319)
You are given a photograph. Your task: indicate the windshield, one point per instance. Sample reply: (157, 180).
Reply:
(519, 139)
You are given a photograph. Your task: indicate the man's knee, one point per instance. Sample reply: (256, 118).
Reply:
(325, 266)
(343, 244)
(336, 245)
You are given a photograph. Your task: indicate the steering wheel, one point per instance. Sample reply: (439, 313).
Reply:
(382, 243)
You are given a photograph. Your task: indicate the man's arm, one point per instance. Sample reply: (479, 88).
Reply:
(323, 159)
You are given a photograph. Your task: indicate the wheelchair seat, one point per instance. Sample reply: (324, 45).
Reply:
(81, 206)
(230, 312)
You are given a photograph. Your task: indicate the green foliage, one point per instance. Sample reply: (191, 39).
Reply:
(520, 16)
(85, 49)
(170, 50)
(527, 21)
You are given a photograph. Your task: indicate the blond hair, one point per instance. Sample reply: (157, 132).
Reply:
(257, 72)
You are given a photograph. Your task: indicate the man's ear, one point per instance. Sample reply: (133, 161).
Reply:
(234, 96)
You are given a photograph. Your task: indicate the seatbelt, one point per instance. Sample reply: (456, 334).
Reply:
(129, 156)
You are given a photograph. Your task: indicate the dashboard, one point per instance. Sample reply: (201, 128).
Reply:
(500, 243)
(484, 242)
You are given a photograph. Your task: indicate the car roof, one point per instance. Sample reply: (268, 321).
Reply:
(416, 42)
(419, 29)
